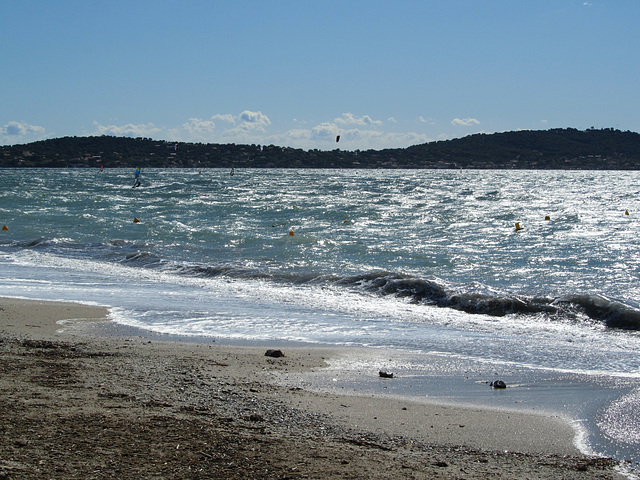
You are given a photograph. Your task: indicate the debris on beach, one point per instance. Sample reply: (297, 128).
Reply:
(255, 417)
(274, 353)
(384, 374)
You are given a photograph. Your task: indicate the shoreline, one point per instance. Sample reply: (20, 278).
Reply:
(230, 396)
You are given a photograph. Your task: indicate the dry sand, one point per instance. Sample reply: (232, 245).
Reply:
(89, 407)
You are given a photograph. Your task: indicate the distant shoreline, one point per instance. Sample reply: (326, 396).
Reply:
(556, 149)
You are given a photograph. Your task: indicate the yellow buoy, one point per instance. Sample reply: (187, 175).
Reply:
(518, 227)
(291, 233)
(4, 227)
(43, 195)
(135, 220)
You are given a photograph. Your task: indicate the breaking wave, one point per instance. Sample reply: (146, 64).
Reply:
(435, 292)
(471, 299)
(612, 314)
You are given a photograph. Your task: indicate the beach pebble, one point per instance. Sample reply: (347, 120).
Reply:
(274, 353)
(498, 384)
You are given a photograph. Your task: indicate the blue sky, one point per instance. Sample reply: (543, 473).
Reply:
(381, 74)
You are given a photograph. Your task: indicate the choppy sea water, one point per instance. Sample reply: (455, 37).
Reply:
(411, 261)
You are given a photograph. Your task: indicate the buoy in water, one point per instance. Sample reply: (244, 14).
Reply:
(547, 218)
(135, 220)
(291, 234)
(626, 212)
(4, 227)
(518, 227)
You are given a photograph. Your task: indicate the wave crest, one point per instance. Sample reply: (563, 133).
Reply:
(435, 292)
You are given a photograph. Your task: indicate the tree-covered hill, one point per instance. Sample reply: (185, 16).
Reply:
(592, 149)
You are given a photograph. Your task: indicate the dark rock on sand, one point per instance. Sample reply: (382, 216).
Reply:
(274, 353)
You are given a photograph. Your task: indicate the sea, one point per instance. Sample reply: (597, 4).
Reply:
(449, 279)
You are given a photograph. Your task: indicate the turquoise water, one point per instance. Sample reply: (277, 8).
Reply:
(427, 262)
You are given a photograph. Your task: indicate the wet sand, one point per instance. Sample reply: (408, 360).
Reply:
(75, 405)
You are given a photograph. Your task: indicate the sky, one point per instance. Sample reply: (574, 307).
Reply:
(381, 74)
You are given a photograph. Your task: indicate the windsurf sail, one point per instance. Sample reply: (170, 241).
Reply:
(136, 178)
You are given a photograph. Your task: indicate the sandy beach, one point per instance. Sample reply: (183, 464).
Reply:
(78, 406)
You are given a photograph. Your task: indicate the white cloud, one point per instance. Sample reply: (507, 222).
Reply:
(243, 125)
(128, 130)
(198, 125)
(325, 131)
(254, 120)
(429, 121)
(464, 122)
(17, 129)
(225, 118)
(20, 132)
(351, 119)
(194, 130)
(296, 136)
(249, 127)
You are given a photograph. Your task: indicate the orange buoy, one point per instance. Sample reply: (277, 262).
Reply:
(291, 233)
(518, 227)
(135, 220)
(547, 217)
(626, 212)
(4, 227)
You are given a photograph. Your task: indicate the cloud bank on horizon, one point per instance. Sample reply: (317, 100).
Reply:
(298, 74)
(249, 127)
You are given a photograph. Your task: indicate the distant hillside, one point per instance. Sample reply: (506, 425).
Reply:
(605, 149)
